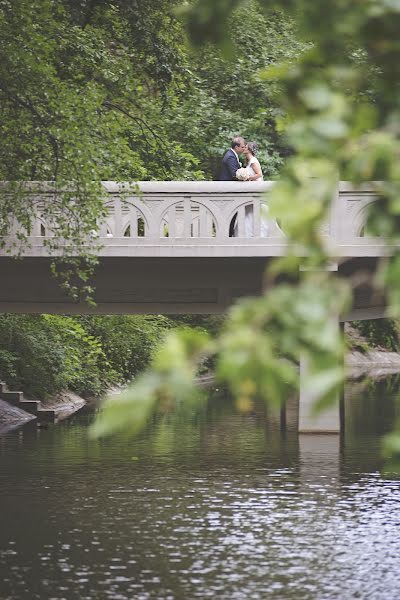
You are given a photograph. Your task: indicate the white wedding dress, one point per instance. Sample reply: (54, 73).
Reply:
(249, 211)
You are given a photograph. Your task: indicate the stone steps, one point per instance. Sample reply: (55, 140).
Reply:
(12, 397)
(31, 406)
(34, 407)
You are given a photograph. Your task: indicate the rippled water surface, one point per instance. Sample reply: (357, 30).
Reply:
(214, 505)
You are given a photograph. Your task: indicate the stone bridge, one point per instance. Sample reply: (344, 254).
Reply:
(167, 247)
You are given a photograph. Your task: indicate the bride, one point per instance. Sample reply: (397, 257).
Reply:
(253, 166)
(254, 171)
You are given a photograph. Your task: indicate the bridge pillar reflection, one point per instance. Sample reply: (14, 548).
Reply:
(320, 454)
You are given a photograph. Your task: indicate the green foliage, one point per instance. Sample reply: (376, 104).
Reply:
(168, 383)
(7, 364)
(383, 333)
(127, 341)
(228, 97)
(45, 354)
(78, 109)
(75, 110)
(85, 367)
(36, 358)
(112, 91)
(264, 338)
(391, 452)
(209, 323)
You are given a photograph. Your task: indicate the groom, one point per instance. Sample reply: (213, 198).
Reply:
(230, 162)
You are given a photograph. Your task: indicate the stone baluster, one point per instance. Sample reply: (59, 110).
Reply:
(172, 221)
(204, 229)
(133, 221)
(118, 218)
(187, 216)
(256, 216)
(241, 221)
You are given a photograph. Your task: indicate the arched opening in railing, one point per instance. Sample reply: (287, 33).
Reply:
(188, 219)
(250, 220)
(137, 228)
(125, 221)
(360, 223)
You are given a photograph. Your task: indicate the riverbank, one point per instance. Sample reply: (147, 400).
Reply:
(64, 404)
(373, 363)
(370, 354)
(12, 417)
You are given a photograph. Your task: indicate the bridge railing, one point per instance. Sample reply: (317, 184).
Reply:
(153, 211)
(189, 211)
(203, 213)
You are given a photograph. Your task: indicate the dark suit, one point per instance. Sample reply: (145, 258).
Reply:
(230, 165)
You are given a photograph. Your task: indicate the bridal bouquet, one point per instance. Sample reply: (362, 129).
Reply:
(242, 174)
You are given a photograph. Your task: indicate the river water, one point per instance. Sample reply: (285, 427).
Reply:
(212, 504)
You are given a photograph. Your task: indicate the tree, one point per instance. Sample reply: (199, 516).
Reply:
(75, 80)
(228, 95)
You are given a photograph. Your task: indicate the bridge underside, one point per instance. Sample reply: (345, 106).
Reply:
(158, 285)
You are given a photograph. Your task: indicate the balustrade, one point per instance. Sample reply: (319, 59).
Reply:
(198, 213)
(188, 211)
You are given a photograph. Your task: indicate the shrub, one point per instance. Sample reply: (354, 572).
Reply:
(44, 354)
(380, 333)
(127, 341)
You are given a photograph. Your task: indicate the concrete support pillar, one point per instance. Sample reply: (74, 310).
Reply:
(327, 421)
(331, 420)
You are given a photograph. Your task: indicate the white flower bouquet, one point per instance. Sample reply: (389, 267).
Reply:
(242, 174)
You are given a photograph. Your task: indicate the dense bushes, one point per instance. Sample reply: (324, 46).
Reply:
(383, 333)
(43, 354)
(210, 323)
(127, 341)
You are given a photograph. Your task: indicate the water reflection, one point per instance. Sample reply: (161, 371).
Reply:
(207, 505)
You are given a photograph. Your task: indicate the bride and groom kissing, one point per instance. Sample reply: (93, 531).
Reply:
(232, 170)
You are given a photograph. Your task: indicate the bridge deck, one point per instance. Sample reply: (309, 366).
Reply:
(168, 247)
